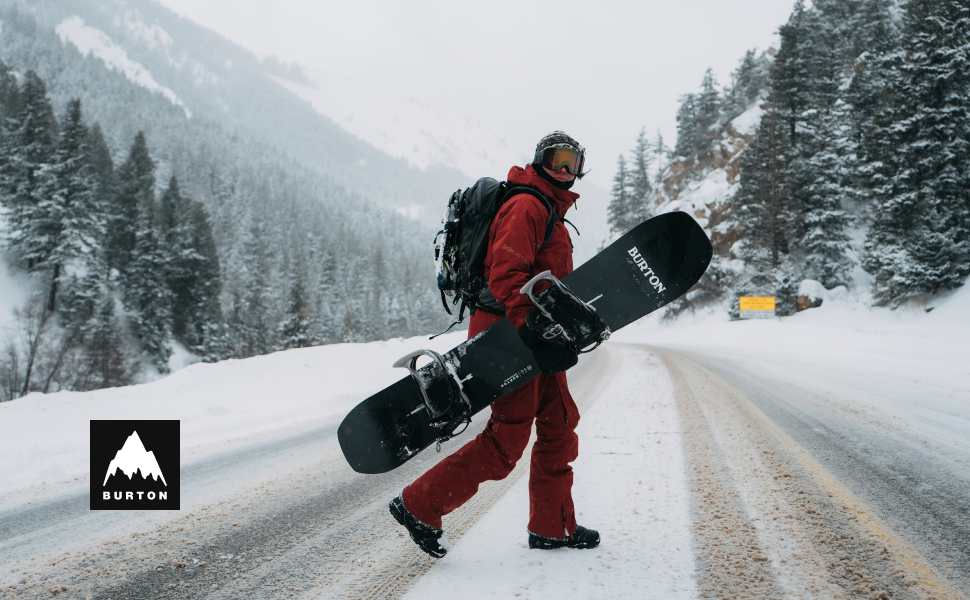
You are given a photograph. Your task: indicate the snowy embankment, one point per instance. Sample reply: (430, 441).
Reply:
(45, 439)
(922, 349)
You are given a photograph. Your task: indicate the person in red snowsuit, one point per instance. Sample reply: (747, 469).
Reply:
(515, 254)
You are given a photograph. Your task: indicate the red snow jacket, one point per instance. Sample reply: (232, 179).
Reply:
(514, 256)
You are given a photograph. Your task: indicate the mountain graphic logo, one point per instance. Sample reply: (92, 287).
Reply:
(135, 464)
(133, 458)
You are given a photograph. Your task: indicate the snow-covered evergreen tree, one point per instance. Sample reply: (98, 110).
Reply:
(146, 296)
(107, 365)
(294, 332)
(133, 202)
(747, 81)
(641, 160)
(826, 184)
(69, 208)
(620, 212)
(32, 138)
(919, 241)
(687, 128)
(708, 111)
(762, 208)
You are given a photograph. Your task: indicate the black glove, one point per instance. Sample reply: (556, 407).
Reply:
(540, 335)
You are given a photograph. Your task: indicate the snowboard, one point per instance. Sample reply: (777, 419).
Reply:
(650, 266)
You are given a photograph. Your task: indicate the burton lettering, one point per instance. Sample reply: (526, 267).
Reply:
(646, 270)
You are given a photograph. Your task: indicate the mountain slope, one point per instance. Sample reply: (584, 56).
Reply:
(219, 81)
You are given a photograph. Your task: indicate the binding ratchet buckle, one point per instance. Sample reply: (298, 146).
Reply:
(574, 321)
(442, 392)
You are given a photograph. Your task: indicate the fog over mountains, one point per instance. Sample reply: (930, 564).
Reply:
(220, 82)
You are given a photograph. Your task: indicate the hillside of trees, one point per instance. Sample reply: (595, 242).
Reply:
(146, 232)
(858, 173)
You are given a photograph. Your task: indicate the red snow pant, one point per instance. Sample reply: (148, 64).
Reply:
(492, 455)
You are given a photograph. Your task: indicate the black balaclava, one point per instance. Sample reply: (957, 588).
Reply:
(555, 139)
(563, 185)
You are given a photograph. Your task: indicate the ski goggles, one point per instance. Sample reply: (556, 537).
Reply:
(558, 157)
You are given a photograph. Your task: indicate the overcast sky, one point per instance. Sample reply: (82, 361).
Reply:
(598, 70)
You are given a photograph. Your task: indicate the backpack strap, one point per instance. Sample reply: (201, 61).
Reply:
(550, 223)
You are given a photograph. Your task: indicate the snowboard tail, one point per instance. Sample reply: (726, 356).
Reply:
(650, 266)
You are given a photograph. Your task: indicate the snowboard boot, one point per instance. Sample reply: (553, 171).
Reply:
(582, 538)
(428, 538)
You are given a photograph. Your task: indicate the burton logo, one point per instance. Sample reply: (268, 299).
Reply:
(134, 465)
(646, 270)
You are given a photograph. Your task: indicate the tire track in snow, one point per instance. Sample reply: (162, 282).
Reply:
(730, 557)
(820, 540)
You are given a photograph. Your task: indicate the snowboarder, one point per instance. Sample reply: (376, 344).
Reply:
(514, 257)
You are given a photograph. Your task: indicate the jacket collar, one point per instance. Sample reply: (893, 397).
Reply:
(562, 200)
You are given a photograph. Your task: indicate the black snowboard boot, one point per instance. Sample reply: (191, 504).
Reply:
(582, 538)
(428, 538)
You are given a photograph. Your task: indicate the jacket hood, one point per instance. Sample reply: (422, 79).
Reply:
(561, 200)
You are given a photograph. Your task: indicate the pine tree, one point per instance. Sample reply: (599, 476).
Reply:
(10, 104)
(708, 111)
(29, 155)
(687, 128)
(205, 335)
(761, 209)
(69, 207)
(641, 159)
(181, 260)
(102, 167)
(103, 348)
(919, 241)
(135, 195)
(826, 185)
(661, 154)
(805, 74)
(294, 332)
(621, 214)
(146, 296)
(747, 82)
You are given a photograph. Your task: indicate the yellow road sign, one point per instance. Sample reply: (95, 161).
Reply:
(755, 303)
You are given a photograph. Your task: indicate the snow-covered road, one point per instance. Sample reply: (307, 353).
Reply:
(700, 488)
(746, 463)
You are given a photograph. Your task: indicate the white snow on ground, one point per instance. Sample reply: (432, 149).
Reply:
(630, 476)
(90, 40)
(630, 484)
(45, 439)
(747, 122)
(907, 352)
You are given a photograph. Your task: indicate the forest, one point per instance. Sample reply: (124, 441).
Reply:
(858, 173)
(146, 234)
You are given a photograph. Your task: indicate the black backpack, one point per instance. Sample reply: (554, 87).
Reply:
(461, 246)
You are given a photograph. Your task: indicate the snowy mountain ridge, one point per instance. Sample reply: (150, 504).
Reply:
(93, 41)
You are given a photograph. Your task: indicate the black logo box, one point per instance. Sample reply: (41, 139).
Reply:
(161, 439)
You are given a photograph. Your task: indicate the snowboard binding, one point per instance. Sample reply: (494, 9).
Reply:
(574, 323)
(442, 392)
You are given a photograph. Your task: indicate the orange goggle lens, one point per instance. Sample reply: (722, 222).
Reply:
(557, 158)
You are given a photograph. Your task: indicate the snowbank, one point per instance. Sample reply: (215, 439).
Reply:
(45, 439)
